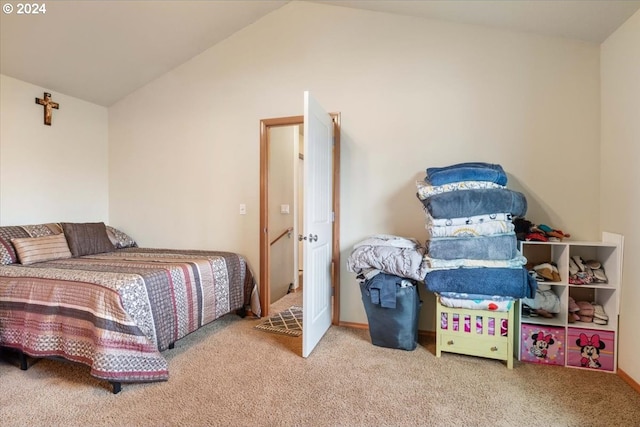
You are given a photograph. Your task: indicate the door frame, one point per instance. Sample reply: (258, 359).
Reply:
(265, 249)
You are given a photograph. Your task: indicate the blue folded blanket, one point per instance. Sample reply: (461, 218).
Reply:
(494, 247)
(458, 204)
(509, 282)
(470, 171)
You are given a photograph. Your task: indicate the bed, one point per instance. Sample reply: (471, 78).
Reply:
(113, 310)
(474, 332)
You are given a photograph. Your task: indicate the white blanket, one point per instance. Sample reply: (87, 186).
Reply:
(395, 255)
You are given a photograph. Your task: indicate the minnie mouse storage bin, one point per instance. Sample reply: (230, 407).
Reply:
(591, 349)
(542, 344)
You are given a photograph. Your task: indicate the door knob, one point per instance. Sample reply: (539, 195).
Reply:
(301, 237)
(313, 237)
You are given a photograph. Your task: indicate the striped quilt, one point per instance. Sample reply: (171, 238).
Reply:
(117, 311)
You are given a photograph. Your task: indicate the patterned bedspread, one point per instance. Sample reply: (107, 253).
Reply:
(117, 311)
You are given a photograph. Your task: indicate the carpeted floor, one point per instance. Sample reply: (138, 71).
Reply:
(230, 373)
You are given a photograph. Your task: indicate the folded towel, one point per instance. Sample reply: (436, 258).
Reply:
(469, 171)
(487, 228)
(467, 220)
(447, 264)
(426, 190)
(476, 304)
(456, 204)
(463, 295)
(496, 247)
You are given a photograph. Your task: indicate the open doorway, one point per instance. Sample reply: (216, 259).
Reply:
(285, 208)
(267, 208)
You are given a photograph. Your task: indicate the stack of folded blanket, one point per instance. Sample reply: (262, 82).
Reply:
(472, 252)
(384, 263)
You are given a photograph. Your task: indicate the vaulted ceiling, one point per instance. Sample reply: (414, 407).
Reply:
(101, 51)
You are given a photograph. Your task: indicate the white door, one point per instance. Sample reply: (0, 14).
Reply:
(318, 223)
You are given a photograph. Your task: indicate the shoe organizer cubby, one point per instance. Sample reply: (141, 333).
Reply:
(608, 253)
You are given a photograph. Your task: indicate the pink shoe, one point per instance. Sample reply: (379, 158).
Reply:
(573, 307)
(586, 309)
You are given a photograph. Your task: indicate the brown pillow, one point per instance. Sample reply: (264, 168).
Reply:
(87, 238)
(39, 249)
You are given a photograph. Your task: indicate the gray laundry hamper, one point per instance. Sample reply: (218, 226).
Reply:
(394, 327)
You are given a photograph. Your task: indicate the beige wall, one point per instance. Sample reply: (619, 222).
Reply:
(51, 173)
(620, 193)
(413, 93)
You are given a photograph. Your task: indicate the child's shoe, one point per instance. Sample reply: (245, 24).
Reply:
(599, 316)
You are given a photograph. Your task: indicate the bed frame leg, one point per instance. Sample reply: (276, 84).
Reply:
(242, 312)
(117, 386)
(24, 365)
(172, 346)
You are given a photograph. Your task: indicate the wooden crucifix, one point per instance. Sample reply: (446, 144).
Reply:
(48, 104)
